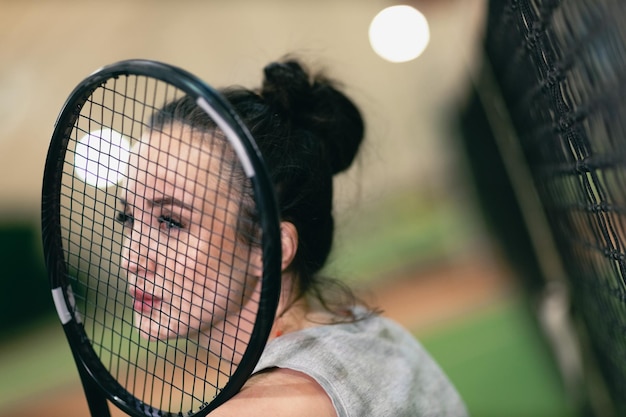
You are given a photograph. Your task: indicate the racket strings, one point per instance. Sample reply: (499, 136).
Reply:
(166, 303)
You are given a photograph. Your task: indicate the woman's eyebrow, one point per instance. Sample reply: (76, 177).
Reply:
(160, 201)
(168, 200)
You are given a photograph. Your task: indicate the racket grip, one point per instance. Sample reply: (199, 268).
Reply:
(96, 401)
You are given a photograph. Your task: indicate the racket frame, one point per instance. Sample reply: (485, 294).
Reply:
(99, 385)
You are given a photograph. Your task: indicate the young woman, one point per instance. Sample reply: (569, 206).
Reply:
(328, 355)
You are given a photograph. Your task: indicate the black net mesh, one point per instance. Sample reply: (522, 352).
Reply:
(561, 68)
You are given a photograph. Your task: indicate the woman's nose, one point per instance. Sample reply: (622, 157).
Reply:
(137, 255)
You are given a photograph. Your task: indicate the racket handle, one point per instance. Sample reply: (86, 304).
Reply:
(96, 401)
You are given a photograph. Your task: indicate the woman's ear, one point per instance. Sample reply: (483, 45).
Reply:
(289, 247)
(289, 243)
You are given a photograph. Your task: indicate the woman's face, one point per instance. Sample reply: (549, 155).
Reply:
(187, 270)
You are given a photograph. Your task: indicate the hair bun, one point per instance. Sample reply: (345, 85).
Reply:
(317, 106)
(286, 87)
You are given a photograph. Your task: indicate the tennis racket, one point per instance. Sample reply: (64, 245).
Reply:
(161, 240)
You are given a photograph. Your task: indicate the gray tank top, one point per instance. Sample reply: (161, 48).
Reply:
(372, 367)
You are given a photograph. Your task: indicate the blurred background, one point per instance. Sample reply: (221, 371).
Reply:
(414, 234)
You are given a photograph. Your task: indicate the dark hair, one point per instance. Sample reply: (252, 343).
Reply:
(307, 131)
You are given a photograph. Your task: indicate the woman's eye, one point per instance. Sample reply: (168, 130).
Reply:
(123, 217)
(169, 223)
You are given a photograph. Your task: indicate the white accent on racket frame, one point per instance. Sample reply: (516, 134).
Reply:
(233, 138)
(59, 302)
(62, 310)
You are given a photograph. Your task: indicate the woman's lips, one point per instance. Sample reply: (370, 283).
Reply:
(143, 302)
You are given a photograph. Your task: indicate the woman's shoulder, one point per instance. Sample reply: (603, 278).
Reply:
(370, 366)
(279, 392)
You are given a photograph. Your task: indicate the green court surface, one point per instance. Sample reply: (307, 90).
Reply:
(34, 361)
(497, 361)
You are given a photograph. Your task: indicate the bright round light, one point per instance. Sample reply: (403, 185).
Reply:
(101, 158)
(399, 33)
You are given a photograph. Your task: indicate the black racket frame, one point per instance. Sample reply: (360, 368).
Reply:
(99, 385)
